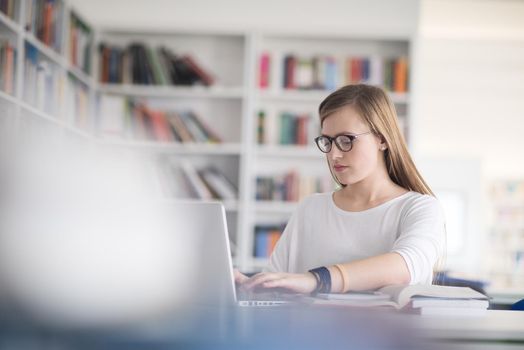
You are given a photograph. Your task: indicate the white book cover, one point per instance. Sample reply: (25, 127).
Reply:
(452, 311)
(398, 296)
(271, 128)
(304, 73)
(422, 302)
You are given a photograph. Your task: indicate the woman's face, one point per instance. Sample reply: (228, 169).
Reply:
(363, 159)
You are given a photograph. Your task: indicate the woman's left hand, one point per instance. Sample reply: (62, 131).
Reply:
(303, 283)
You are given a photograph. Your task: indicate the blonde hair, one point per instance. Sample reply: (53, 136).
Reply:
(375, 107)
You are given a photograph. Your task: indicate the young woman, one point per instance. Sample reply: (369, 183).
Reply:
(383, 226)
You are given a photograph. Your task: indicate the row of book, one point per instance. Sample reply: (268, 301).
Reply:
(290, 187)
(327, 73)
(140, 64)
(7, 66)
(291, 129)
(80, 41)
(184, 180)
(9, 8)
(266, 238)
(125, 118)
(44, 20)
(43, 83)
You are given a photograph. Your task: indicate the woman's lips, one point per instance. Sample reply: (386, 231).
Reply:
(339, 168)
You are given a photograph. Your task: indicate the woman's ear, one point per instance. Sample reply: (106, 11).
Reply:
(383, 145)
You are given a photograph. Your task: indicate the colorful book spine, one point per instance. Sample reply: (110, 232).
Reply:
(44, 85)
(261, 132)
(7, 66)
(264, 71)
(324, 72)
(44, 20)
(9, 8)
(291, 129)
(290, 186)
(142, 65)
(146, 123)
(80, 41)
(266, 238)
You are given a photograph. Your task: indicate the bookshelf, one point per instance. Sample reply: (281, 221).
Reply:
(318, 64)
(505, 260)
(90, 98)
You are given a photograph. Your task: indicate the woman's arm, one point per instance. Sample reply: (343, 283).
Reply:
(364, 274)
(371, 273)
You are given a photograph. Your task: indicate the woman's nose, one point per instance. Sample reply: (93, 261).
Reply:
(335, 153)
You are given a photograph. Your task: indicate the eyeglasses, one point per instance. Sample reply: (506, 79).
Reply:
(344, 142)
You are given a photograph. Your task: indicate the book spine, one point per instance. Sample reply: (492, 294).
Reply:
(261, 243)
(401, 74)
(180, 127)
(290, 186)
(264, 70)
(198, 71)
(261, 131)
(195, 180)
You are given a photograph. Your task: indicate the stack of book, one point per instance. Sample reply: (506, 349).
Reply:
(326, 73)
(122, 118)
(392, 73)
(288, 128)
(7, 66)
(319, 72)
(80, 39)
(293, 129)
(140, 64)
(9, 8)
(266, 238)
(430, 300)
(43, 82)
(290, 187)
(44, 20)
(184, 180)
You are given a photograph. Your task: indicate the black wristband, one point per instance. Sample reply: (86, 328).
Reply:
(323, 280)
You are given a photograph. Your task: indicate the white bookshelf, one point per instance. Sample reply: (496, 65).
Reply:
(172, 91)
(230, 105)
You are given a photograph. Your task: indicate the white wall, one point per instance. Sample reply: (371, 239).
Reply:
(467, 73)
(342, 17)
(470, 83)
(468, 94)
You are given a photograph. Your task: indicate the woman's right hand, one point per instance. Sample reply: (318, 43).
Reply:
(240, 278)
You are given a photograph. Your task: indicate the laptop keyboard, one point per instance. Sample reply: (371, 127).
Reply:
(262, 296)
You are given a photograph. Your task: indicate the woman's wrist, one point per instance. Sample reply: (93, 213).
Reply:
(323, 277)
(312, 282)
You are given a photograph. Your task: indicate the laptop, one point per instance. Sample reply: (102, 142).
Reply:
(205, 223)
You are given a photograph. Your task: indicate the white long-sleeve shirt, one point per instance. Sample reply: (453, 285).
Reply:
(321, 234)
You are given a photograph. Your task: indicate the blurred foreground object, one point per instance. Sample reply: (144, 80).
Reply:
(84, 242)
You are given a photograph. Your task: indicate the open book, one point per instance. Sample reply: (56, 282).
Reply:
(418, 296)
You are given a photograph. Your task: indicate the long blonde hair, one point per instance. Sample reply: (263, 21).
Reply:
(375, 107)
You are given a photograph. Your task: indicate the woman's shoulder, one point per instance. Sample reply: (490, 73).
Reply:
(418, 203)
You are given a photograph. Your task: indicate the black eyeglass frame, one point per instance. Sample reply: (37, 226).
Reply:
(352, 138)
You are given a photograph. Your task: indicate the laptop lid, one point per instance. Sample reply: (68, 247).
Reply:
(205, 222)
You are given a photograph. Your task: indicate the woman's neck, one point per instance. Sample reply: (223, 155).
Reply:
(367, 194)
